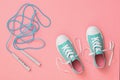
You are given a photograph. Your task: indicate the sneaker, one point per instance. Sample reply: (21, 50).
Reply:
(95, 41)
(67, 51)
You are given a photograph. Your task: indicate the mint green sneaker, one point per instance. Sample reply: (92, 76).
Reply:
(96, 44)
(65, 48)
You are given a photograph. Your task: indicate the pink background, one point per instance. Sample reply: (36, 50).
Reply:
(71, 17)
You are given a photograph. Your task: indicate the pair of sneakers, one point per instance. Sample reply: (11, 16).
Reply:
(96, 44)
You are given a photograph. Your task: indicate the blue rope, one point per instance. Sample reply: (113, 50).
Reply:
(26, 30)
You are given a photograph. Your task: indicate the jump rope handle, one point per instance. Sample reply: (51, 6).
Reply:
(21, 62)
(31, 58)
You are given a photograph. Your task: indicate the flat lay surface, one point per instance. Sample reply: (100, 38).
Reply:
(71, 18)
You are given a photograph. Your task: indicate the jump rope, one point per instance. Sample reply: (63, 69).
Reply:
(24, 33)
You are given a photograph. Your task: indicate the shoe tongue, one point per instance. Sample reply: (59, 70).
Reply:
(99, 52)
(73, 58)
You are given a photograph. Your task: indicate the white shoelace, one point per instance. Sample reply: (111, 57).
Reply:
(79, 46)
(58, 59)
(68, 52)
(96, 45)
